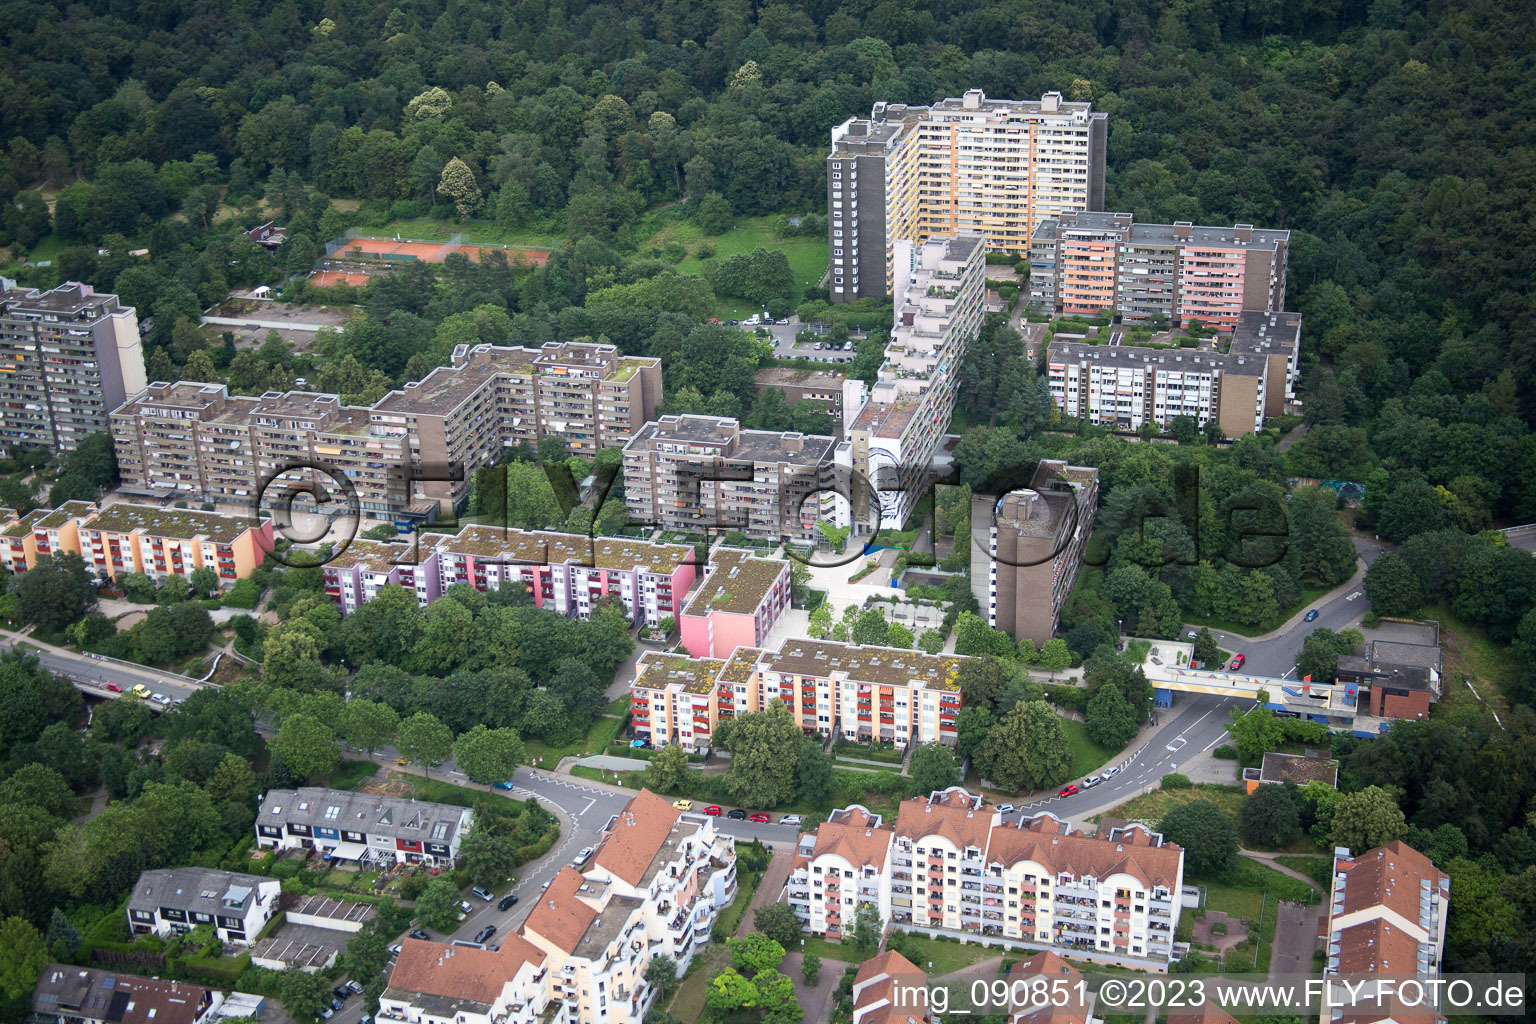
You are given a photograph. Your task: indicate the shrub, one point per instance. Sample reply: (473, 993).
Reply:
(1226, 752)
(1175, 780)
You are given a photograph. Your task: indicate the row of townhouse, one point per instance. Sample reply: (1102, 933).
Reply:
(950, 864)
(173, 901)
(860, 693)
(1387, 915)
(968, 164)
(1248, 377)
(565, 572)
(363, 827)
(413, 452)
(68, 357)
(119, 538)
(654, 887)
(1082, 264)
(891, 440)
(705, 473)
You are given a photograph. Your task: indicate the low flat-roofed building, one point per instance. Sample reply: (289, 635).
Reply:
(1297, 769)
(299, 947)
(1393, 679)
(330, 913)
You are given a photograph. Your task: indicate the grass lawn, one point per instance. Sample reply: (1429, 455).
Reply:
(1152, 806)
(349, 773)
(427, 229)
(1319, 869)
(47, 248)
(829, 950)
(862, 752)
(807, 256)
(596, 741)
(1087, 756)
(620, 707)
(1251, 891)
(1468, 652)
(688, 1001)
(946, 957)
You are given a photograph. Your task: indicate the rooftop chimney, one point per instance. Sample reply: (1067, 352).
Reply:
(973, 97)
(1050, 102)
(1181, 230)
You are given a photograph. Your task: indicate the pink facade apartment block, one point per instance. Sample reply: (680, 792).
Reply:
(737, 605)
(564, 572)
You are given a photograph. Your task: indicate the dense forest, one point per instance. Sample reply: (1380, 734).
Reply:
(1393, 138)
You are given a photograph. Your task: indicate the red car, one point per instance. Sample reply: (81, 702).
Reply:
(115, 687)
(1237, 661)
(712, 810)
(760, 818)
(1068, 790)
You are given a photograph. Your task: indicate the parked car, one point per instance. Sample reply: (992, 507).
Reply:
(337, 1004)
(355, 987)
(1006, 808)
(760, 818)
(507, 902)
(1237, 661)
(341, 992)
(140, 690)
(162, 699)
(683, 805)
(395, 949)
(485, 933)
(503, 785)
(1310, 615)
(1068, 790)
(582, 857)
(791, 819)
(420, 933)
(1110, 773)
(736, 813)
(326, 1013)
(1091, 781)
(483, 893)
(1192, 635)
(713, 810)
(115, 687)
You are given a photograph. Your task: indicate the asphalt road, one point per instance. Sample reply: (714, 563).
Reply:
(1277, 656)
(93, 674)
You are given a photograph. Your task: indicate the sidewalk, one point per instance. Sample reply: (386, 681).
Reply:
(1269, 861)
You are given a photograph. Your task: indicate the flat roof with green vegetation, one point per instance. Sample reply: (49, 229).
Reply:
(183, 524)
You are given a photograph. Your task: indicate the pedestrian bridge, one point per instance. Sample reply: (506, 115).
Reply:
(1334, 705)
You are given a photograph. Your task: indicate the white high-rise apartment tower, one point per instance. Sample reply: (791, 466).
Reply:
(970, 165)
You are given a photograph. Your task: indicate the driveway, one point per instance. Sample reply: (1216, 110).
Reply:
(1295, 940)
(771, 886)
(816, 1002)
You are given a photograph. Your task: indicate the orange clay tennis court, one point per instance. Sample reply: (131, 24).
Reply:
(327, 278)
(427, 252)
